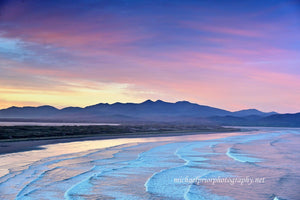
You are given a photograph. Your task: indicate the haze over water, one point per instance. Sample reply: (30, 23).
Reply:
(256, 165)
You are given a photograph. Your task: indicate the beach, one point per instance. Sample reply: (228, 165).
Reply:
(29, 136)
(238, 165)
(9, 148)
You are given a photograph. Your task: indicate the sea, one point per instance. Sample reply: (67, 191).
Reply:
(258, 163)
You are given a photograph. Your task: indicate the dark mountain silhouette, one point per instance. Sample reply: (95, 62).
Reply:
(147, 109)
(150, 111)
(288, 120)
(155, 108)
(277, 120)
(243, 113)
(29, 112)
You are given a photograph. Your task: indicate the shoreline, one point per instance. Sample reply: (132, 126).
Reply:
(21, 145)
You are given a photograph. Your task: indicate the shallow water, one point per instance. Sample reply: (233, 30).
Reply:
(256, 165)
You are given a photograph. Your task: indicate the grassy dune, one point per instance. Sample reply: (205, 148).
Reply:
(43, 132)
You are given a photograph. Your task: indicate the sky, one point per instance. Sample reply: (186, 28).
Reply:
(227, 54)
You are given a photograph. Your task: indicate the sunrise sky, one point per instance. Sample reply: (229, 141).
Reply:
(227, 54)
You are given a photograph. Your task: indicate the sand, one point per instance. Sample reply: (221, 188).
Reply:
(27, 145)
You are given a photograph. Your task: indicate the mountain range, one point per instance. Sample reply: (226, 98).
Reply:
(150, 111)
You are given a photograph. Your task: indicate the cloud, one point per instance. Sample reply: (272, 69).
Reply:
(89, 51)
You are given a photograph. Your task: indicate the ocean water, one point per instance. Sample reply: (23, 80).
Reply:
(262, 164)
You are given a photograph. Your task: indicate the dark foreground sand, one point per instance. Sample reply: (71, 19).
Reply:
(27, 145)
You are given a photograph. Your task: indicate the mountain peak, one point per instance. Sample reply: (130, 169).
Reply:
(159, 101)
(248, 112)
(183, 102)
(47, 107)
(250, 109)
(148, 101)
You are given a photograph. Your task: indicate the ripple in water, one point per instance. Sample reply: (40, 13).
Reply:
(167, 169)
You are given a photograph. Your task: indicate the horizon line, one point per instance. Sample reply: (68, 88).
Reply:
(154, 101)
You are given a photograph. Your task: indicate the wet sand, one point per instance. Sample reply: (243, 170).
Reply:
(13, 146)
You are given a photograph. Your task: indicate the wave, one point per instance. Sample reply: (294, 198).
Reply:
(241, 157)
(175, 182)
(158, 170)
(114, 170)
(196, 192)
(277, 198)
(28, 178)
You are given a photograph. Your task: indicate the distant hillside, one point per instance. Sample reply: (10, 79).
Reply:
(243, 113)
(146, 111)
(29, 112)
(288, 120)
(150, 111)
(276, 120)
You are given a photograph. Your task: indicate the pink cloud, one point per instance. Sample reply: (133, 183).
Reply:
(218, 65)
(222, 29)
